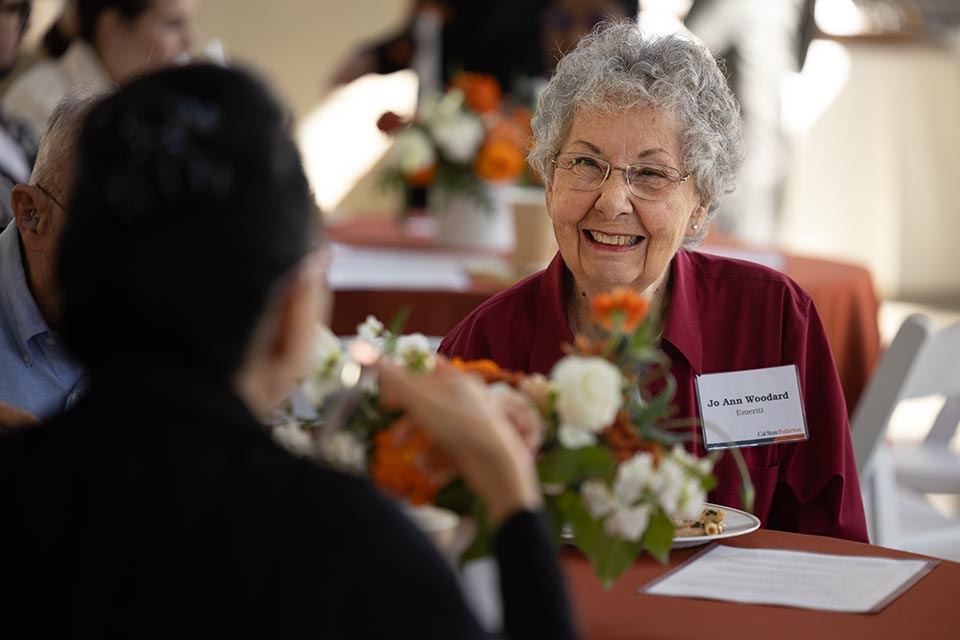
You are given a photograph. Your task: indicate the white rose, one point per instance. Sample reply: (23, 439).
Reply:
(437, 106)
(413, 346)
(326, 350)
(692, 498)
(294, 439)
(588, 398)
(630, 523)
(414, 151)
(342, 450)
(669, 484)
(691, 495)
(597, 498)
(458, 136)
(634, 476)
(370, 330)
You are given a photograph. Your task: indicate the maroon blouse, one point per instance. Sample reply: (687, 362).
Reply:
(724, 315)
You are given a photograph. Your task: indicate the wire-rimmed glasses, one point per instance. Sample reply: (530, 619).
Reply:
(585, 172)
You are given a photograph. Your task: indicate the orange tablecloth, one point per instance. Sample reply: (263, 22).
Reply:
(927, 610)
(843, 293)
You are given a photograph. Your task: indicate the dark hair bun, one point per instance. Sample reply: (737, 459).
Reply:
(190, 203)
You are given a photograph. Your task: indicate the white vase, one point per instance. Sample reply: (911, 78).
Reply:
(465, 221)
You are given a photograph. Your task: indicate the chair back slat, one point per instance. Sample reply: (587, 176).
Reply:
(945, 426)
(885, 389)
(937, 369)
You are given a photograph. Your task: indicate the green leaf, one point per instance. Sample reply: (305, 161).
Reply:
(570, 466)
(659, 537)
(610, 556)
(587, 530)
(457, 498)
(483, 542)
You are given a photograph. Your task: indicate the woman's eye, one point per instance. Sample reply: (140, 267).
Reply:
(650, 172)
(584, 161)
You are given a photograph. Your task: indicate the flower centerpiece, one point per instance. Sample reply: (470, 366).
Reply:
(609, 456)
(462, 145)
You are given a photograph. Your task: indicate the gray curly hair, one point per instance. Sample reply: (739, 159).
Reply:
(618, 67)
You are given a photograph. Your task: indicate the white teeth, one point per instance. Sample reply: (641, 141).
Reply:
(620, 241)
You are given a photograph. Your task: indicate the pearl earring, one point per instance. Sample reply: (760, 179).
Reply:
(695, 226)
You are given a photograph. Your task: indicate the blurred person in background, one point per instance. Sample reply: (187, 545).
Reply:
(516, 42)
(760, 41)
(18, 141)
(118, 39)
(159, 503)
(37, 374)
(62, 32)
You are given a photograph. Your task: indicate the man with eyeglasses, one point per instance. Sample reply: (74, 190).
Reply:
(18, 142)
(37, 375)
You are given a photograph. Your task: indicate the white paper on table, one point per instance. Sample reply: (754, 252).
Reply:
(405, 269)
(853, 584)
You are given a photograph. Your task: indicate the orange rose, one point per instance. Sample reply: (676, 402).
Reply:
(481, 92)
(499, 160)
(407, 464)
(622, 309)
(489, 370)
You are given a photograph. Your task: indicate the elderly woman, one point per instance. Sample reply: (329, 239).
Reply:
(159, 503)
(119, 39)
(637, 138)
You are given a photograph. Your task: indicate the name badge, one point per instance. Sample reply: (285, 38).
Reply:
(751, 408)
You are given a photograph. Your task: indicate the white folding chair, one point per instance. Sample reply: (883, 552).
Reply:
(895, 478)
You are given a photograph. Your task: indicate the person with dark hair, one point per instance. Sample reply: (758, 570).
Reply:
(61, 33)
(118, 39)
(513, 41)
(159, 503)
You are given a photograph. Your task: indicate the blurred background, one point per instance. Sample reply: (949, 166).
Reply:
(855, 155)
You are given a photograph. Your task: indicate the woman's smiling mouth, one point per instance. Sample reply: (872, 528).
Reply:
(614, 241)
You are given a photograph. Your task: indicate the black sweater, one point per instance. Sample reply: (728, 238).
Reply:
(159, 507)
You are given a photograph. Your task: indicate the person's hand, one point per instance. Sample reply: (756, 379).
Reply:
(457, 410)
(12, 418)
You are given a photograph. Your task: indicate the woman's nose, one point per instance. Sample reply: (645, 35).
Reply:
(614, 197)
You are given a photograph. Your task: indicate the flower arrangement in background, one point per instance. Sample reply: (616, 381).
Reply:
(609, 458)
(460, 139)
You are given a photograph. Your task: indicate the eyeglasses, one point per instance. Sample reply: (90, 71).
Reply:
(647, 181)
(47, 193)
(16, 10)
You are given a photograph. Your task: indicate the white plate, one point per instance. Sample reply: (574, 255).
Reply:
(736, 523)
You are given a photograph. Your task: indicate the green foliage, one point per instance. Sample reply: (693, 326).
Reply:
(659, 537)
(610, 556)
(571, 466)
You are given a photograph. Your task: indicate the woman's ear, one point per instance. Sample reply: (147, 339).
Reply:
(698, 217)
(299, 310)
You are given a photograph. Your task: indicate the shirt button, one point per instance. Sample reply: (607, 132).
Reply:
(51, 341)
(27, 359)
